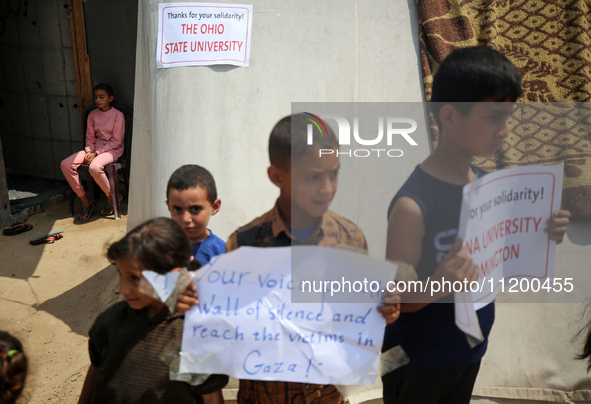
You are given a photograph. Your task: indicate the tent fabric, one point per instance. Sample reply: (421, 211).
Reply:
(532, 355)
(535, 395)
(220, 117)
(549, 42)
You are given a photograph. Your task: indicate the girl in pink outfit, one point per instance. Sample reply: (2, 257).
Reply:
(104, 145)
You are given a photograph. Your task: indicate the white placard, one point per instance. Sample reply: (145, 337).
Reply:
(201, 34)
(502, 224)
(246, 327)
(164, 285)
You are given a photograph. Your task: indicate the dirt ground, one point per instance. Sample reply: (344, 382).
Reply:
(50, 295)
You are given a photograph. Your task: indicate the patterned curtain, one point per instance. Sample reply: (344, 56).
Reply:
(549, 42)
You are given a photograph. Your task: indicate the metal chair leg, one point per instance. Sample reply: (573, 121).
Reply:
(114, 186)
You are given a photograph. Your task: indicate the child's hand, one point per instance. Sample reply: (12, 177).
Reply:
(557, 225)
(187, 299)
(391, 308)
(457, 265)
(89, 157)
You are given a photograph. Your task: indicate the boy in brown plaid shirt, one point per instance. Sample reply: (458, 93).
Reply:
(307, 183)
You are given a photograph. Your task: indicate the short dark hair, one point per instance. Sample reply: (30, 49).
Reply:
(191, 176)
(469, 75)
(13, 368)
(288, 138)
(159, 244)
(105, 87)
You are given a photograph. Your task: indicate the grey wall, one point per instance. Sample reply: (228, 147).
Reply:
(5, 216)
(111, 31)
(39, 111)
(39, 114)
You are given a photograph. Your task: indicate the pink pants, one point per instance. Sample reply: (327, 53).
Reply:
(97, 170)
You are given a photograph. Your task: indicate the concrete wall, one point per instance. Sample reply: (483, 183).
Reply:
(5, 217)
(111, 31)
(39, 111)
(39, 114)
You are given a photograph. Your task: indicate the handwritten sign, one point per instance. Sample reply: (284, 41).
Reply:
(246, 326)
(198, 34)
(502, 223)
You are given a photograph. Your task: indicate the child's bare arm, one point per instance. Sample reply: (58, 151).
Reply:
(406, 229)
(187, 299)
(557, 225)
(213, 398)
(88, 385)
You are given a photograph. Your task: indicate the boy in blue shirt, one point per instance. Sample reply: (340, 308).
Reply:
(474, 91)
(191, 197)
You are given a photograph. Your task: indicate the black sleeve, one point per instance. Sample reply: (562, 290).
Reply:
(94, 352)
(211, 384)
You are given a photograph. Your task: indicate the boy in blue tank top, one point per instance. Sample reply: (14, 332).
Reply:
(474, 91)
(192, 199)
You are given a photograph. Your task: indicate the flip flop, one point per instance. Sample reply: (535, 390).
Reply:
(17, 228)
(107, 210)
(47, 238)
(52, 239)
(86, 212)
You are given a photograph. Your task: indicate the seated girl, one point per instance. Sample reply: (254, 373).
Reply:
(104, 145)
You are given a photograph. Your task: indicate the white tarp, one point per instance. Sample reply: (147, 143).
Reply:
(221, 116)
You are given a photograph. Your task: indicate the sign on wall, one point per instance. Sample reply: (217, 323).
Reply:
(201, 34)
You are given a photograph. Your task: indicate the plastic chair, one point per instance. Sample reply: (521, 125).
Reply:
(112, 170)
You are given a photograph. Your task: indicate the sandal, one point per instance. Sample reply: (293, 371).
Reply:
(107, 210)
(47, 238)
(17, 228)
(86, 212)
(52, 239)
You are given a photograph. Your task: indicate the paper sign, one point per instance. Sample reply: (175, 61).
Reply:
(502, 224)
(164, 285)
(246, 327)
(199, 34)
